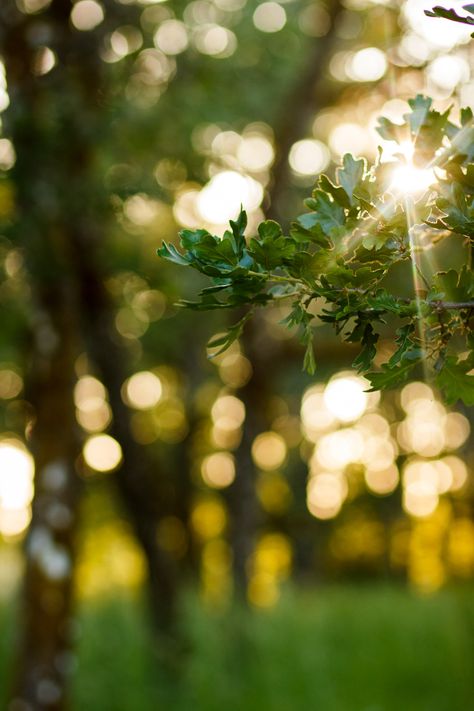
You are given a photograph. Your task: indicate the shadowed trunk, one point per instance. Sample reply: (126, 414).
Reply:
(138, 479)
(47, 625)
(42, 229)
(305, 98)
(243, 504)
(55, 122)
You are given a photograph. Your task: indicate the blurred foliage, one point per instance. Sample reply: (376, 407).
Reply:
(197, 107)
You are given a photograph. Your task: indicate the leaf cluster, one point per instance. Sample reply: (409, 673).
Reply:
(343, 254)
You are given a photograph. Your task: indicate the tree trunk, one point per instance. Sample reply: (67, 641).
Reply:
(138, 480)
(41, 228)
(305, 98)
(242, 498)
(54, 122)
(47, 606)
(243, 502)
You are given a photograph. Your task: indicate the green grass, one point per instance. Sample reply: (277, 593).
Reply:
(6, 635)
(334, 649)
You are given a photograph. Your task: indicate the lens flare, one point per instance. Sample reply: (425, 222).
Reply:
(407, 179)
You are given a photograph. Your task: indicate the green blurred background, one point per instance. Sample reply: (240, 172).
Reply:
(216, 533)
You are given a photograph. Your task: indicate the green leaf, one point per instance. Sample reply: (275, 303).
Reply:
(308, 267)
(238, 231)
(376, 239)
(384, 301)
(352, 248)
(391, 377)
(271, 248)
(309, 362)
(232, 334)
(298, 316)
(308, 229)
(406, 348)
(369, 340)
(466, 114)
(453, 285)
(168, 251)
(455, 382)
(350, 175)
(338, 193)
(326, 212)
(269, 230)
(208, 303)
(193, 238)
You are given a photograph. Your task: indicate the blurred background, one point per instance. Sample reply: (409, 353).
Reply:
(197, 533)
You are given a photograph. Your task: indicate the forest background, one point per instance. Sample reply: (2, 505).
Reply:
(149, 495)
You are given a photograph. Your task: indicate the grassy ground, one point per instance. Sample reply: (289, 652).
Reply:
(342, 649)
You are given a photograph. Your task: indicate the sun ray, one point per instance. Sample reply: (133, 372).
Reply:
(409, 184)
(420, 285)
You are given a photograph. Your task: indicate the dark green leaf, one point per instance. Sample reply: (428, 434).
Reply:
(232, 334)
(455, 382)
(369, 340)
(450, 14)
(391, 377)
(169, 252)
(238, 231)
(405, 344)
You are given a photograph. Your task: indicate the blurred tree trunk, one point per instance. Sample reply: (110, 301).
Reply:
(305, 98)
(55, 122)
(42, 228)
(138, 479)
(242, 498)
(46, 614)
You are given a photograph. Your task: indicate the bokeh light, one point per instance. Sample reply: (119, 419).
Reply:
(269, 450)
(255, 152)
(388, 477)
(86, 15)
(218, 470)
(326, 494)
(382, 481)
(102, 453)
(16, 487)
(171, 37)
(143, 390)
(208, 518)
(269, 17)
(222, 198)
(308, 157)
(345, 397)
(369, 64)
(11, 384)
(228, 412)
